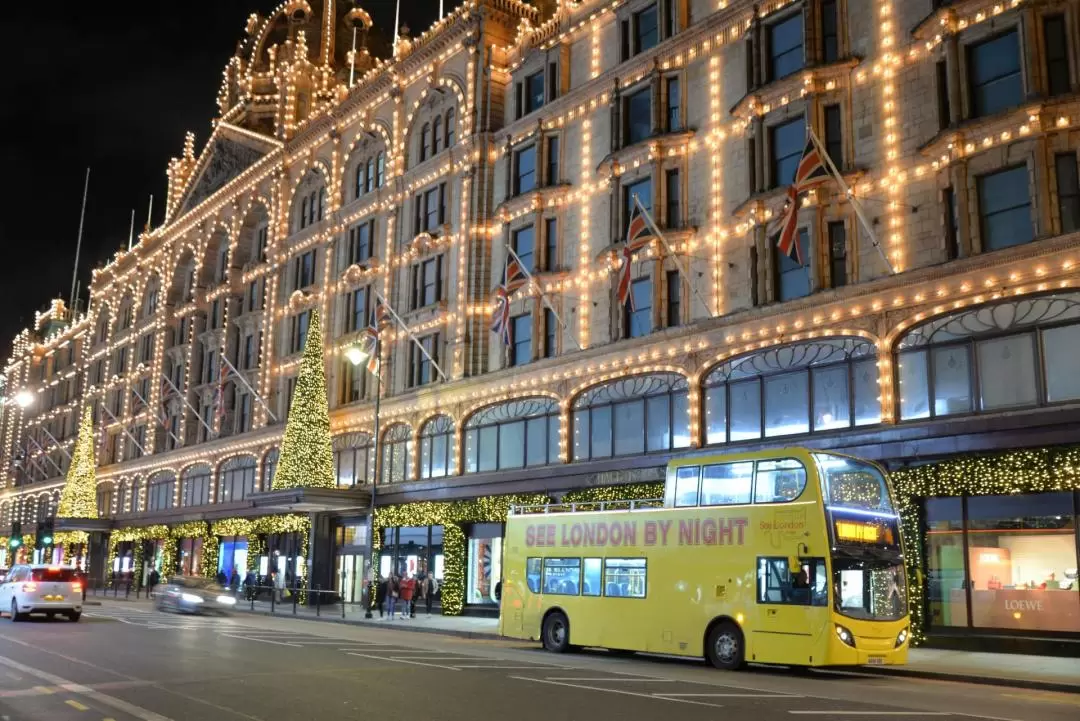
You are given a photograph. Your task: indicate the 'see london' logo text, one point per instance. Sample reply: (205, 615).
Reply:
(691, 532)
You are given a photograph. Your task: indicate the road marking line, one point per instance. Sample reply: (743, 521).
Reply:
(128, 708)
(620, 680)
(402, 660)
(618, 691)
(451, 659)
(261, 640)
(871, 713)
(728, 695)
(77, 706)
(496, 665)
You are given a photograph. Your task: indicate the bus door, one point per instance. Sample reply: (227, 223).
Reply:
(793, 610)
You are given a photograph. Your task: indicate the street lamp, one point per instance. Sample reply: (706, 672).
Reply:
(24, 398)
(358, 356)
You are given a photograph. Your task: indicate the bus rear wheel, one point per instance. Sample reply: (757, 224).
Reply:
(556, 632)
(725, 648)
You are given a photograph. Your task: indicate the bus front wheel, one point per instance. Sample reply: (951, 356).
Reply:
(556, 632)
(725, 648)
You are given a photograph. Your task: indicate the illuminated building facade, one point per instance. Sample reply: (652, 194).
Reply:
(331, 176)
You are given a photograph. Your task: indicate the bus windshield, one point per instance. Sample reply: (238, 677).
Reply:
(874, 590)
(848, 483)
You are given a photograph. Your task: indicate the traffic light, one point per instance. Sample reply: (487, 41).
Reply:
(44, 534)
(16, 535)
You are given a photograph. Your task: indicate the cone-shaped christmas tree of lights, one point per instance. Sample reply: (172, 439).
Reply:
(79, 497)
(307, 457)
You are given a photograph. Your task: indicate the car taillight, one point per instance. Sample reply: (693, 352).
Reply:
(76, 587)
(29, 587)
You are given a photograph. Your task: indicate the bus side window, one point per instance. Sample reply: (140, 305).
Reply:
(779, 481)
(726, 484)
(624, 577)
(562, 576)
(590, 586)
(532, 574)
(803, 586)
(686, 487)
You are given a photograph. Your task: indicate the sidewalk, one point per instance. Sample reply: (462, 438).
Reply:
(1048, 673)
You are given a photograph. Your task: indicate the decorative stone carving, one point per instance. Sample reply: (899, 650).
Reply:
(228, 159)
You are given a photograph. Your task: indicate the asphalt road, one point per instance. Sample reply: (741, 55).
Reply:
(123, 662)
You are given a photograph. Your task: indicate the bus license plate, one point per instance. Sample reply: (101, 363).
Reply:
(875, 661)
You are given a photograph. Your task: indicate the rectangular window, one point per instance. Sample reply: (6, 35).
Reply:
(726, 484)
(674, 116)
(994, 74)
(1068, 189)
(639, 320)
(304, 274)
(637, 114)
(359, 248)
(356, 310)
(804, 586)
(1005, 208)
(830, 36)
(553, 160)
(244, 417)
(551, 331)
(673, 189)
(952, 233)
(643, 190)
(834, 135)
(944, 109)
(562, 576)
(524, 170)
(421, 371)
(674, 299)
(686, 486)
(551, 242)
(260, 243)
(521, 340)
(523, 241)
(252, 296)
(428, 282)
(792, 279)
(534, 92)
(249, 352)
(785, 54)
(624, 577)
(1057, 55)
(786, 143)
(215, 313)
(590, 585)
(553, 80)
(432, 208)
(837, 253)
(646, 29)
(350, 382)
(300, 324)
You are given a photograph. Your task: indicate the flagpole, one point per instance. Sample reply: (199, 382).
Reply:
(131, 230)
(352, 58)
(30, 459)
(123, 428)
(53, 439)
(671, 251)
(369, 572)
(149, 213)
(167, 430)
(413, 338)
(855, 204)
(187, 403)
(78, 243)
(397, 24)
(247, 385)
(45, 454)
(543, 296)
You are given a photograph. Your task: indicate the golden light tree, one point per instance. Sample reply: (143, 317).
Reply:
(307, 456)
(79, 497)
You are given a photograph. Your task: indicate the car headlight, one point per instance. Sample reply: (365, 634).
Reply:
(845, 635)
(191, 598)
(901, 638)
(226, 600)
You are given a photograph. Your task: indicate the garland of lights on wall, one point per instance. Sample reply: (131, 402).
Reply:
(136, 536)
(1040, 470)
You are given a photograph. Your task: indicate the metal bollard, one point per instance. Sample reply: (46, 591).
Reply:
(294, 599)
(273, 599)
(343, 605)
(318, 604)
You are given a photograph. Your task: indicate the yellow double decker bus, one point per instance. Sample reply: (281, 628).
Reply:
(788, 556)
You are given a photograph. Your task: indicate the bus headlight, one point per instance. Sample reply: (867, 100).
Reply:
(845, 635)
(901, 637)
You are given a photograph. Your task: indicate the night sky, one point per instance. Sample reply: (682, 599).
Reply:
(116, 91)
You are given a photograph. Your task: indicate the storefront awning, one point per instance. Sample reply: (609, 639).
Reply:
(311, 500)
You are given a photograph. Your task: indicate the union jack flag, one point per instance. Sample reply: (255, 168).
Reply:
(380, 315)
(514, 276)
(787, 241)
(638, 236)
(811, 171)
(369, 344)
(219, 394)
(500, 321)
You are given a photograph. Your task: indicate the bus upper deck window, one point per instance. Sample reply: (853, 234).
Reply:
(686, 486)
(779, 481)
(726, 484)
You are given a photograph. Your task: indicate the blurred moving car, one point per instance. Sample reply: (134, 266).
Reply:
(3, 574)
(192, 594)
(50, 590)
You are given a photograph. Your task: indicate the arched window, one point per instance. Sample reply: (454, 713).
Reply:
(104, 499)
(304, 212)
(449, 128)
(397, 454)
(380, 169)
(425, 138)
(369, 176)
(639, 414)
(800, 388)
(137, 503)
(102, 327)
(121, 497)
(150, 300)
(322, 203)
(515, 434)
(359, 187)
(436, 445)
(269, 468)
(196, 486)
(353, 460)
(159, 491)
(237, 479)
(1013, 354)
(436, 135)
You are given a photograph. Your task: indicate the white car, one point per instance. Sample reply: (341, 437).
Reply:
(50, 590)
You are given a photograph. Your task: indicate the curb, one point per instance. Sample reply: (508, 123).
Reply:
(480, 635)
(1030, 684)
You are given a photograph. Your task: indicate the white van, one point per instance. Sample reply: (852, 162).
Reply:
(50, 590)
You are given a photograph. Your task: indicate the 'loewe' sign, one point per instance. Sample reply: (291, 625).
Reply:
(1018, 605)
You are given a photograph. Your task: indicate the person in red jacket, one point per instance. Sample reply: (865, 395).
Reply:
(408, 587)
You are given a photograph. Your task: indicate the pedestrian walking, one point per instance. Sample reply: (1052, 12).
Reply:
(380, 594)
(153, 580)
(428, 588)
(222, 579)
(408, 589)
(279, 585)
(250, 582)
(234, 581)
(392, 591)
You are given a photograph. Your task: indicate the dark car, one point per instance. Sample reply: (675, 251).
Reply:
(191, 594)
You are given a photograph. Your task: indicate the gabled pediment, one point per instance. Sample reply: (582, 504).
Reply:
(228, 154)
